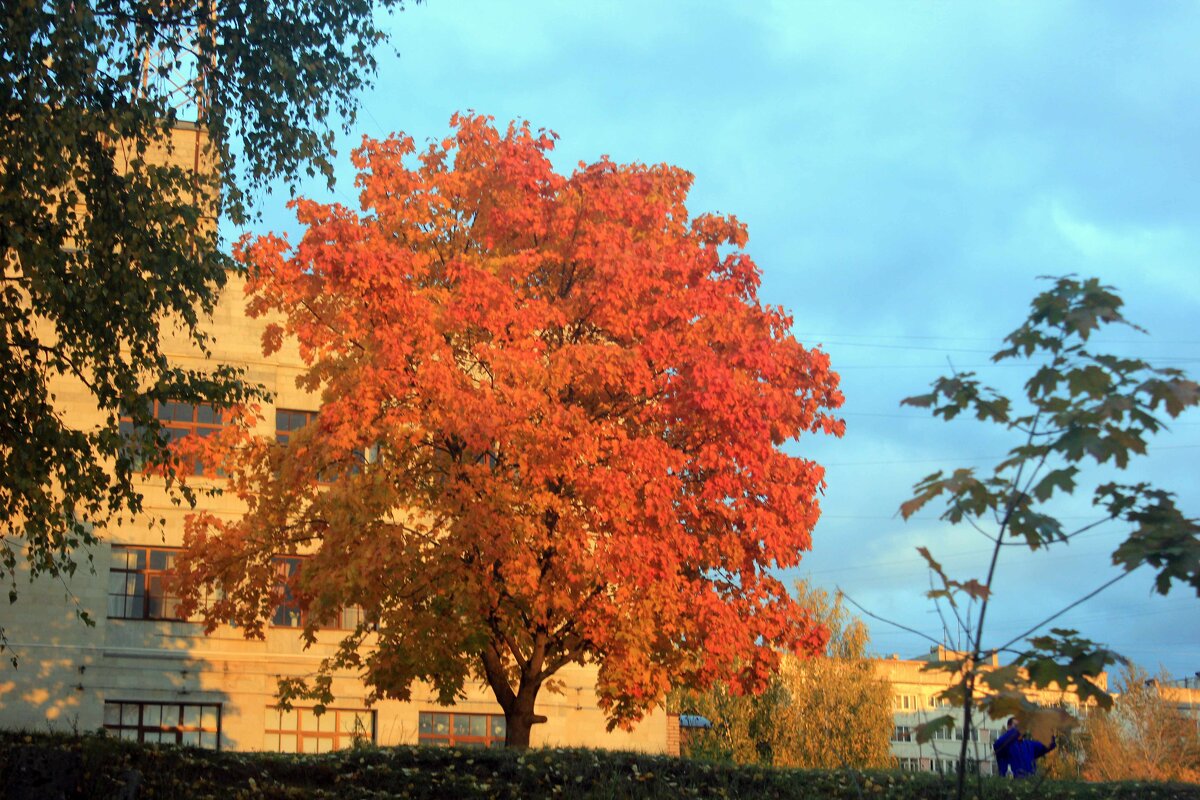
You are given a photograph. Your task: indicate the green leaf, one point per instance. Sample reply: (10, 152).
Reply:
(1062, 480)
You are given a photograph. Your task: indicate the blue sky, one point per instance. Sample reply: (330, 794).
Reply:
(906, 171)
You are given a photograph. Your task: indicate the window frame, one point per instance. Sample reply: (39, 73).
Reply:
(283, 435)
(340, 738)
(169, 427)
(299, 616)
(493, 736)
(142, 727)
(145, 577)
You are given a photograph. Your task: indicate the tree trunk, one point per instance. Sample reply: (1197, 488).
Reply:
(519, 718)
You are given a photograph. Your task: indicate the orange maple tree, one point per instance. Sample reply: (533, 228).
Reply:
(551, 426)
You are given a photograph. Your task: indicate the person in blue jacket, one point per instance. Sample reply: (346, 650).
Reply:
(1019, 753)
(1002, 762)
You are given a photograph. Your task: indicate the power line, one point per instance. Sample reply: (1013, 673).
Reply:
(960, 459)
(957, 338)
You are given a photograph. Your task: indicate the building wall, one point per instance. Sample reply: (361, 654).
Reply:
(71, 676)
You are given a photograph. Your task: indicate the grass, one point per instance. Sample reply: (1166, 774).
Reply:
(106, 764)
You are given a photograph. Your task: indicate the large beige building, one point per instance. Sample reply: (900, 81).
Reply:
(915, 701)
(142, 673)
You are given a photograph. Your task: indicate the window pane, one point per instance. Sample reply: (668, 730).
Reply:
(129, 714)
(116, 583)
(499, 726)
(287, 743)
(462, 724)
(478, 725)
(191, 716)
(425, 722)
(441, 723)
(112, 713)
(271, 742)
(287, 720)
(171, 608)
(209, 719)
(159, 559)
(310, 722)
(151, 715)
(285, 617)
(208, 740)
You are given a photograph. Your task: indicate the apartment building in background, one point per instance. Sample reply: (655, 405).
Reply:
(915, 701)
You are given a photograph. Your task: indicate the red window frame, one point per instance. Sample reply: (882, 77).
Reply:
(139, 583)
(289, 614)
(288, 421)
(301, 730)
(177, 421)
(460, 729)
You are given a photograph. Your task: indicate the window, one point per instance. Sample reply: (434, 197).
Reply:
(138, 583)
(944, 733)
(902, 733)
(179, 420)
(911, 764)
(287, 422)
(302, 730)
(950, 766)
(351, 617)
(290, 614)
(191, 724)
(905, 702)
(447, 729)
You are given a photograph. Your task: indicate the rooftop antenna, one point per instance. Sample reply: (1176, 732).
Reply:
(174, 49)
(174, 52)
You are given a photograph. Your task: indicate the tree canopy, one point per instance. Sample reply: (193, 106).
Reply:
(108, 229)
(1144, 737)
(828, 711)
(551, 428)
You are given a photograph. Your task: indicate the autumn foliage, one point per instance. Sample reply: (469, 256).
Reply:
(551, 428)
